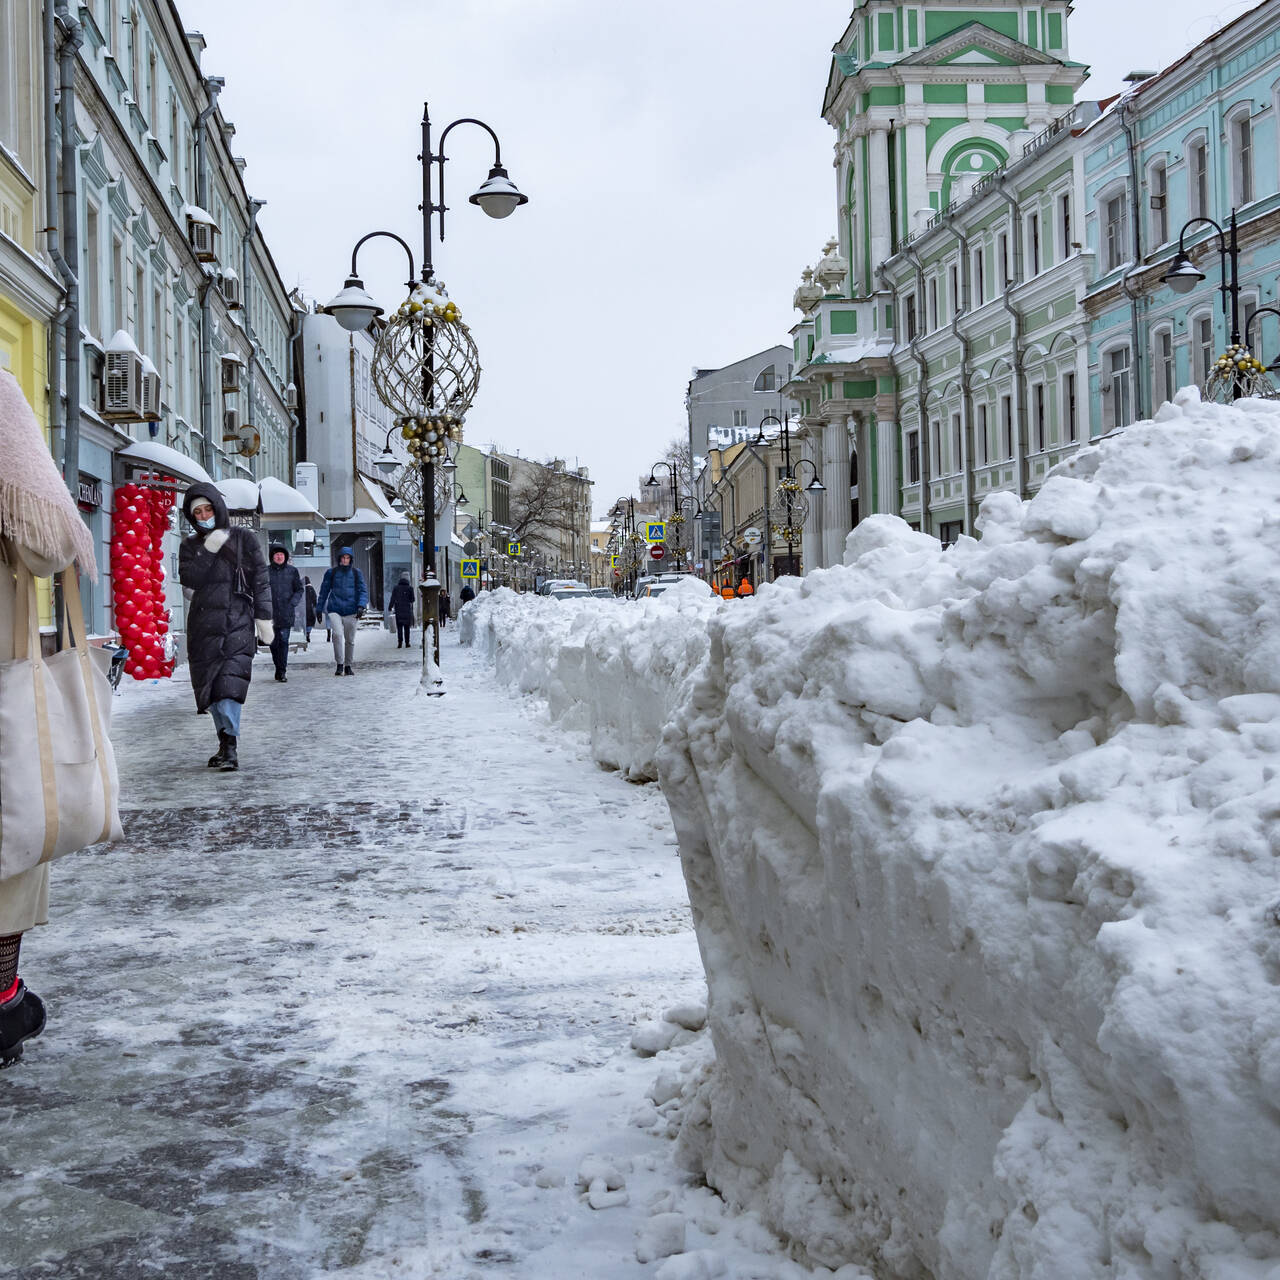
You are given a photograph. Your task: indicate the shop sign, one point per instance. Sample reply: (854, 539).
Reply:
(90, 491)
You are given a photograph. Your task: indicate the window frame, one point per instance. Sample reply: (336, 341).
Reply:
(1070, 405)
(1244, 175)
(1164, 364)
(1117, 400)
(1159, 216)
(1198, 187)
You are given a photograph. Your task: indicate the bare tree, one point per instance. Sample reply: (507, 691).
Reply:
(677, 457)
(546, 502)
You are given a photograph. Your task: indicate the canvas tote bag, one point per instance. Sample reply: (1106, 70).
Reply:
(58, 786)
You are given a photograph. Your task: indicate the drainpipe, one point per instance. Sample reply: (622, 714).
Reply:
(966, 391)
(1019, 396)
(213, 87)
(296, 416)
(925, 453)
(1135, 301)
(245, 247)
(65, 273)
(69, 189)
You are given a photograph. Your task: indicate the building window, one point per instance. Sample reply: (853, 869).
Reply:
(1165, 375)
(1002, 259)
(1115, 232)
(1198, 178)
(984, 444)
(935, 448)
(766, 380)
(1069, 412)
(1006, 424)
(979, 281)
(957, 444)
(1202, 348)
(913, 457)
(739, 417)
(1158, 186)
(911, 322)
(956, 304)
(950, 531)
(1119, 388)
(1037, 400)
(1241, 127)
(1033, 243)
(92, 273)
(1064, 223)
(933, 303)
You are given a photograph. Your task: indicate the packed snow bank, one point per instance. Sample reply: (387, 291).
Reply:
(982, 850)
(609, 668)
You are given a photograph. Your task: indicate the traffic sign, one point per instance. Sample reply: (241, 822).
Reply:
(515, 549)
(471, 547)
(471, 568)
(656, 553)
(613, 562)
(656, 531)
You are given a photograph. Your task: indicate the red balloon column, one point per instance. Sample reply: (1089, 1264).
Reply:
(137, 575)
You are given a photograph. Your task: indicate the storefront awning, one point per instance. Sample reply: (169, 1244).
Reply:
(279, 505)
(147, 455)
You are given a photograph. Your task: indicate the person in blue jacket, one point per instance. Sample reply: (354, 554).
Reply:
(343, 597)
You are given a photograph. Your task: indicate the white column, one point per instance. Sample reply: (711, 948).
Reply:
(835, 475)
(811, 545)
(878, 144)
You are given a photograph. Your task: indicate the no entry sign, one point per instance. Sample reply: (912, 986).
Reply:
(656, 553)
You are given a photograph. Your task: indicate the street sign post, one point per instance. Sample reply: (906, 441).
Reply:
(656, 530)
(470, 569)
(515, 548)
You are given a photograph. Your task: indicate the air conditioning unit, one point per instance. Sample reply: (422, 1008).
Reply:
(231, 370)
(230, 425)
(250, 440)
(231, 291)
(150, 392)
(122, 381)
(1158, 201)
(202, 234)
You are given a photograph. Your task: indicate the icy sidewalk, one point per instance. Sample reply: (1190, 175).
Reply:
(361, 1009)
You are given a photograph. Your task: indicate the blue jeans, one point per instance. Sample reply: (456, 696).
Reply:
(226, 716)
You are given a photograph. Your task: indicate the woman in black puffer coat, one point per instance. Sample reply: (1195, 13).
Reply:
(223, 624)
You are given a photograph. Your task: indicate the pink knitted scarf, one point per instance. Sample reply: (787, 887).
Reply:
(35, 508)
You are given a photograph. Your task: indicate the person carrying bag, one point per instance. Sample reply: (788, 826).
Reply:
(58, 786)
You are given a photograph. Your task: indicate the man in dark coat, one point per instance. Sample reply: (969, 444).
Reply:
(286, 595)
(401, 604)
(467, 594)
(229, 611)
(343, 597)
(446, 607)
(311, 608)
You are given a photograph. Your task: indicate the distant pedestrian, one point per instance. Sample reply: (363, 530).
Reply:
(311, 608)
(467, 594)
(287, 593)
(401, 604)
(745, 588)
(446, 607)
(230, 610)
(343, 597)
(727, 592)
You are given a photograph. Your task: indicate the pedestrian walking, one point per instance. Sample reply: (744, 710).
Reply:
(343, 597)
(41, 531)
(287, 594)
(467, 594)
(230, 611)
(745, 588)
(311, 608)
(446, 607)
(727, 592)
(401, 604)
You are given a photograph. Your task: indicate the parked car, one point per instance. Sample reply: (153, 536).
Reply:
(602, 593)
(681, 583)
(570, 591)
(554, 584)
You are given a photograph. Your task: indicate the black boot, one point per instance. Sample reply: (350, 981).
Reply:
(230, 763)
(338, 672)
(221, 754)
(346, 671)
(21, 1018)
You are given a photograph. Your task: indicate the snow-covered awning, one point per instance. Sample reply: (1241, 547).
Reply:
(284, 507)
(150, 456)
(240, 494)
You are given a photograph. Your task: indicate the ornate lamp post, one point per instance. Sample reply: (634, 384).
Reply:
(1236, 372)
(426, 367)
(676, 518)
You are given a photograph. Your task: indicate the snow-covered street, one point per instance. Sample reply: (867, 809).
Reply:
(362, 1009)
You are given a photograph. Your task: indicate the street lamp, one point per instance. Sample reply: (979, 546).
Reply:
(676, 518)
(815, 485)
(355, 309)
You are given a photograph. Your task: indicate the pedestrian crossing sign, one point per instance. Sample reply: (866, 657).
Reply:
(656, 531)
(613, 562)
(514, 549)
(471, 569)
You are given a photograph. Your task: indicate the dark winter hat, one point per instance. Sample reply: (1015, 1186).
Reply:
(277, 546)
(211, 495)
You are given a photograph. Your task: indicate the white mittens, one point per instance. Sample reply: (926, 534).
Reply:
(266, 632)
(213, 542)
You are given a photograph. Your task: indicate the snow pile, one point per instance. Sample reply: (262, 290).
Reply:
(981, 846)
(609, 668)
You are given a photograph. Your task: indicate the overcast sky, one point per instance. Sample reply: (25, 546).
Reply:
(678, 173)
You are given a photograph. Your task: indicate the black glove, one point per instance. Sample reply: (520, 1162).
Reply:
(360, 613)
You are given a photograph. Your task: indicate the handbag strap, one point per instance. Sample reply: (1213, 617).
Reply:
(73, 611)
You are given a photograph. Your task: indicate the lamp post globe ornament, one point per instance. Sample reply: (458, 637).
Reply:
(426, 367)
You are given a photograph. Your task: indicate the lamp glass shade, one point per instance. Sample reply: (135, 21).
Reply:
(816, 486)
(353, 308)
(387, 462)
(498, 196)
(1183, 276)
(448, 465)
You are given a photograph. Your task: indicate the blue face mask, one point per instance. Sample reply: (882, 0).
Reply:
(207, 524)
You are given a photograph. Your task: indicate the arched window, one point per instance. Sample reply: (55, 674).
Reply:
(1164, 374)
(766, 380)
(1240, 143)
(1196, 150)
(1158, 198)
